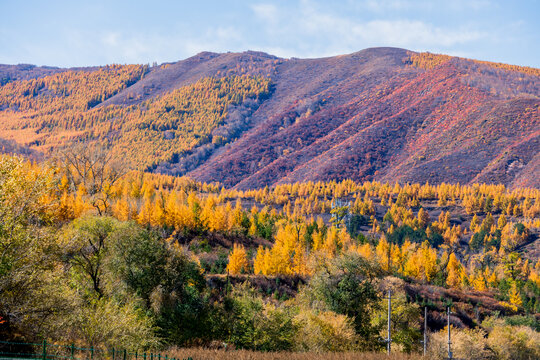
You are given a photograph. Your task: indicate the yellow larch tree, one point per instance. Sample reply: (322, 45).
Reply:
(331, 242)
(501, 223)
(474, 223)
(478, 281)
(384, 254)
(318, 240)
(237, 216)
(262, 263)
(288, 255)
(365, 250)
(429, 261)
(121, 209)
(514, 296)
(145, 213)
(157, 216)
(238, 261)
(397, 258)
(454, 271)
(423, 217)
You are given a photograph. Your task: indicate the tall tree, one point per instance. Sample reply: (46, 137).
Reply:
(94, 169)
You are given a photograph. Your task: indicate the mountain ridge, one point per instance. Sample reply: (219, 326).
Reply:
(385, 114)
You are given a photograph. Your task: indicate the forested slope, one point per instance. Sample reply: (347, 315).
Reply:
(251, 119)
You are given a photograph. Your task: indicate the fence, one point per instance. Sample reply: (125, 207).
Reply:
(46, 351)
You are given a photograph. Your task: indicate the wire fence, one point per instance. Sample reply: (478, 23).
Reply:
(48, 351)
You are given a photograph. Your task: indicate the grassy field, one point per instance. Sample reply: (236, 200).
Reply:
(214, 354)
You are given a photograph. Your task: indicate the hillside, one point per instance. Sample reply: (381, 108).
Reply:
(303, 267)
(250, 119)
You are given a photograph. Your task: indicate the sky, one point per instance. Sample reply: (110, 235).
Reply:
(84, 33)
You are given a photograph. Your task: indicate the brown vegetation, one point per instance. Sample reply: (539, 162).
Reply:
(215, 354)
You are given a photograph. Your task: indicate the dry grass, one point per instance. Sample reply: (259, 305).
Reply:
(214, 354)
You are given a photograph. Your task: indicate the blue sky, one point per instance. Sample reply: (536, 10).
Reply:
(82, 33)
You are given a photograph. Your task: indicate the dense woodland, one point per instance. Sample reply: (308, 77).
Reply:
(97, 255)
(427, 60)
(250, 119)
(58, 109)
(95, 250)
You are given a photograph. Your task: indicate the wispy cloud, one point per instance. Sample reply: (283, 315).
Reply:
(338, 33)
(381, 6)
(486, 29)
(267, 12)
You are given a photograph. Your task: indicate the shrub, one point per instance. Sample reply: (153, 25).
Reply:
(520, 320)
(466, 344)
(107, 323)
(253, 324)
(346, 286)
(514, 342)
(324, 331)
(405, 318)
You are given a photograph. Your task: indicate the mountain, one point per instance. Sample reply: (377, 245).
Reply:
(251, 119)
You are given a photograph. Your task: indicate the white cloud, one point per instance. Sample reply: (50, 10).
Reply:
(334, 34)
(303, 28)
(381, 6)
(385, 5)
(407, 33)
(110, 38)
(266, 12)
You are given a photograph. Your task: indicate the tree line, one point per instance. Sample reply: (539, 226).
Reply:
(95, 254)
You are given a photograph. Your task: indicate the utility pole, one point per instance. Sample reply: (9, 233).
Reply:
(389, 336)
(425, 330)
(449, 342)
(227, 284)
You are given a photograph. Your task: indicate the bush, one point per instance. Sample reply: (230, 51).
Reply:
(107, 323)
(253, 324)
(324, 331)
(112, 261)
(346, 286)
(519, 320)
(406, 334)
(514, 342)
(403, 232)
(469, 344)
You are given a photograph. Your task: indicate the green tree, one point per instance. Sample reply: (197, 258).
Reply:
(405, 322)
(180, 301)
(253, 324)
(28, 251)
(138, 258)
(347, 286)
(86, 243)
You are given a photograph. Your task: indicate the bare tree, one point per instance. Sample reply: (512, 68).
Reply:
(96, 169)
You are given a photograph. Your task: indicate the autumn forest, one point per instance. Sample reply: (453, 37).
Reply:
(243, 201)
